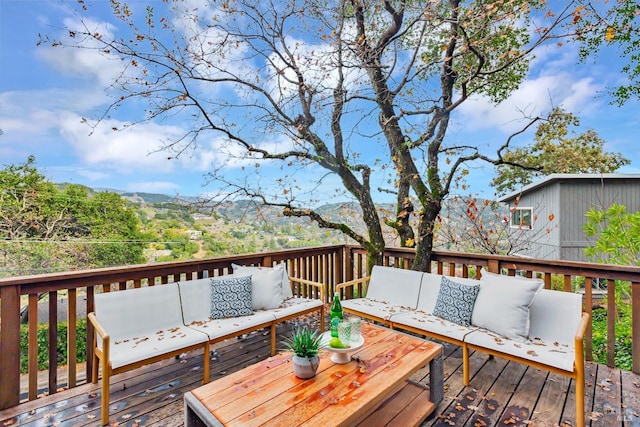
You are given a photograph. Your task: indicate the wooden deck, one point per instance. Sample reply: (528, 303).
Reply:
(501, 393)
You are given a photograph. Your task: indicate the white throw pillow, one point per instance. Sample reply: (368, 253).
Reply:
(503, 303)
(266, 285)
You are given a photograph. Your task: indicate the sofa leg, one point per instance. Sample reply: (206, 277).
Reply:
(273, 339)
(104, 399)
(207, 356)
(580, 401)
(94, 369)
(465, 365)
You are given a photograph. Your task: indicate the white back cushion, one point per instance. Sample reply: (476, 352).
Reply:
(549, 310)
(132, 312)
(196, 299)
(395, 286)
(267, 284)
(503, 304)
(431, 288)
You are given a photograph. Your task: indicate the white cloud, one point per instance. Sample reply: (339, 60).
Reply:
(534, 97)
(129, 150)
(87, 63)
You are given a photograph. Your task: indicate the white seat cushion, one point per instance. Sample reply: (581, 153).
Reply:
(291, 306)
(376, 309)
(125, 351)
(430, 323)
(554, 354)
(196, 299)
(553, 308)
(217, 328)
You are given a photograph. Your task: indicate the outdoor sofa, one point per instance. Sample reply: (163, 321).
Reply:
(140, 326)
(506, 316)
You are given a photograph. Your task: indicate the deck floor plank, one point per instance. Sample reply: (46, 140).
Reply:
(548, 410)
(568, 417)
(499, 393)
(524, 399)
(630, 399)
(496, 385)
(607, 405)
(470, 398)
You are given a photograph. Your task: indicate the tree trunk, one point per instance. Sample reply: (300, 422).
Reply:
(424, 248)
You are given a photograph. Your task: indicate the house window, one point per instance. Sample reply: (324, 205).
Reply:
(521, 217)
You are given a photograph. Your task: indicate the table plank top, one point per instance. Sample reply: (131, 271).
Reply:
(268, 393)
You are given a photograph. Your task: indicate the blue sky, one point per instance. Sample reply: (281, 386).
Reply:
(44, 93)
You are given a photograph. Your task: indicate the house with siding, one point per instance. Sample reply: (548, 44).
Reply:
(553, 210)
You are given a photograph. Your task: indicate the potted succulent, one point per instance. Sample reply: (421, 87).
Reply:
(305, 345)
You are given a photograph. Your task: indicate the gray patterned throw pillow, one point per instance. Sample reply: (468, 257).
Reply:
(231, 297)
(455, 301)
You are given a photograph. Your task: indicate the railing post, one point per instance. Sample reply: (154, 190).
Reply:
(10, 346)
(493, 266)
(635, 334)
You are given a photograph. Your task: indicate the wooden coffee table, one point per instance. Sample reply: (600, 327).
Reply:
(267, 393)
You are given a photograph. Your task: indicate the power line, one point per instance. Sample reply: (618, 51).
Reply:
(89, 242)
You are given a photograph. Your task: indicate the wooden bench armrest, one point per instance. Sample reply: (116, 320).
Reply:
(318, 285)
(353, 282)
(579, 338)
(582, 327)
(98, 327)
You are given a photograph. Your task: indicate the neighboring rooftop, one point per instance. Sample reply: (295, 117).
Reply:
(549, 179)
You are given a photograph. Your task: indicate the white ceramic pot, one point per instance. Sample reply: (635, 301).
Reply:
(305, 367)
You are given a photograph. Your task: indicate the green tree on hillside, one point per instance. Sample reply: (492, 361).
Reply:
(116, 226)
(44, 228)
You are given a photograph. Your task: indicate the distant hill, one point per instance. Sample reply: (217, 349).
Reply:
(149, 198)
(251, 212)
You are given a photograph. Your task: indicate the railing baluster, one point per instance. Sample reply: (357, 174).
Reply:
(611, 323)
(53, 342)
(71, 338)
(588, 308)
(90, 290)
(32, 351)
(567, 283)
(635, 322)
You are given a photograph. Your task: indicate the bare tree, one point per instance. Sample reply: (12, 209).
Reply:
(315, 84)
(483, 226)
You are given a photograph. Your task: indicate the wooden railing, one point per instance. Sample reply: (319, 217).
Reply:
(329, 265)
